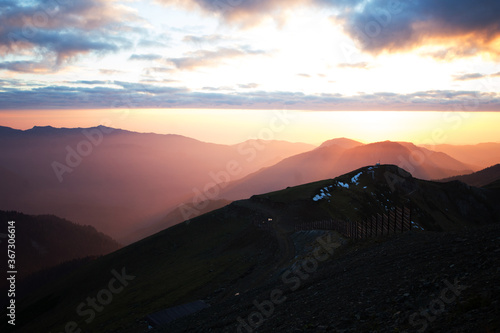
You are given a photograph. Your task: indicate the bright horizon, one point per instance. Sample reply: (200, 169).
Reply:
(212, 70)
(313, 127)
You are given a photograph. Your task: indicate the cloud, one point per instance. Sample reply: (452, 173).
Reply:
(204, 58)
(150, 94)
(474, 76)
(146, 57)
(248, 86)
(205, 39)
(60, 31)
(469, 76)
(26, 67)
(359, 65)
(241, 12)
(158, 70)
(93, 82)
(460, 27)
(110, 71)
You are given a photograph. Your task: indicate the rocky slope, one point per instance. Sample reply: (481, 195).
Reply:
(415, 282)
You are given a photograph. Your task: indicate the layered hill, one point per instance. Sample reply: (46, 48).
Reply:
(331, 160)
(480, 178)
(247, 245)
(115, 180)
(44, 241)
(482, 155)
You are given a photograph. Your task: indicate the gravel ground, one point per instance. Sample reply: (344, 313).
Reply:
(414, 282)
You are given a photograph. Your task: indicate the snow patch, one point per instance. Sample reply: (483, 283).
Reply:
(355, 179)
(341, 184)
(323, 194)
(416, 226)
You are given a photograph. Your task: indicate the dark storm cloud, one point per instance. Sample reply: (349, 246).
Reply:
(121, 94)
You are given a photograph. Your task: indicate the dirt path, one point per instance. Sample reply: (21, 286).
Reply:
(282, 234)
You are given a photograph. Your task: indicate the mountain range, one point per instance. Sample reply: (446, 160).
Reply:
(114, 179)
(225, 254)
(332, 160)
(130, 185)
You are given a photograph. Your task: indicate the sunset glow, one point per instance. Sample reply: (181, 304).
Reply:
(214, 72)
(315, 127)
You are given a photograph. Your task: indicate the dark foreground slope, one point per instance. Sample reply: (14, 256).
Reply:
(197, 260)
(248, 245)
(415, 282)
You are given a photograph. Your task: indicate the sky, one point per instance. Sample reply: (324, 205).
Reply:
(223, 70)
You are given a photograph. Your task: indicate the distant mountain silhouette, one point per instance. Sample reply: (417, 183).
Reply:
(480, 178)
(482, 155)
(116, 180)
(331, 160)
(341, 142)
(43, 241)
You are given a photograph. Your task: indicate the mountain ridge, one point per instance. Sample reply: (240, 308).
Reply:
(224, 252)
(480, 178)
(333, 160)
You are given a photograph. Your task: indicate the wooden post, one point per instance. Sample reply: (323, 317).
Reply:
(392, 220)
(407, 213)
(399, 217)
(367, 228)
(386, 223)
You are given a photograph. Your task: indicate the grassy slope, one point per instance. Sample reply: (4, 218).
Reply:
(178, 265)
